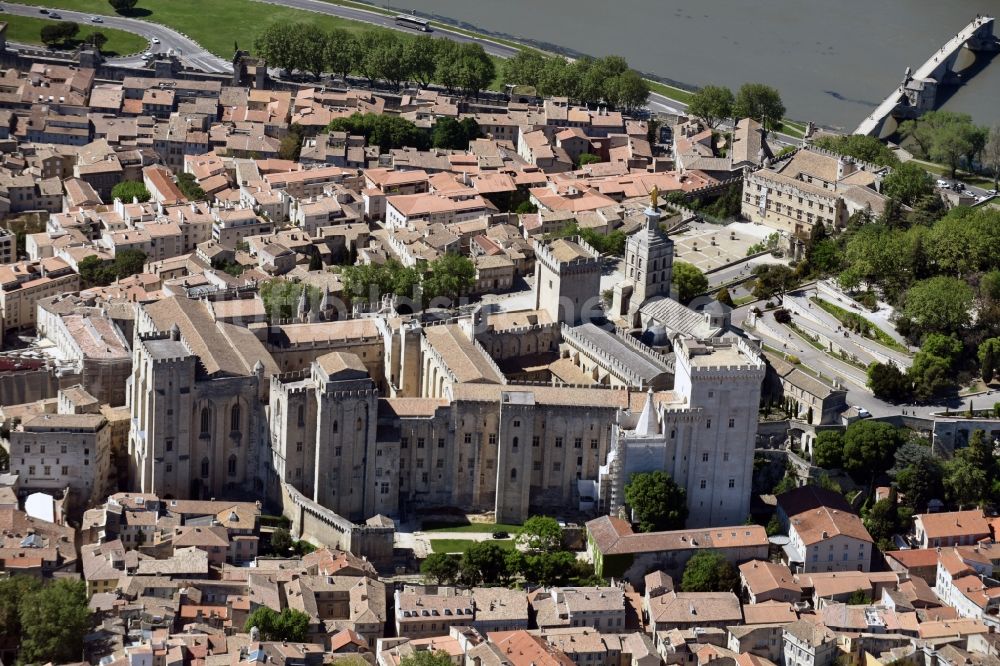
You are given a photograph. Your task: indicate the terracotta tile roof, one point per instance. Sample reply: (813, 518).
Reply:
(614, 536)
(760, 576)
(952, 524)
(818, 525)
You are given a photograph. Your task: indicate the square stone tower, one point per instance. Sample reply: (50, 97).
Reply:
(649, 261)
(567, 279)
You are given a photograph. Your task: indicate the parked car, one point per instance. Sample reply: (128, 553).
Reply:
(54, 15)
(862, 412)
(942, 183)
(501, 535)
(43, 11)
(96, 19)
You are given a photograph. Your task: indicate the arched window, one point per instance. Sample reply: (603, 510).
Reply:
(513, 474)
(360, 425)
(302, 415)
(514, 442)
(336, 426)
(232, 465)
(206, 418)
(204, 468)
(234, 418)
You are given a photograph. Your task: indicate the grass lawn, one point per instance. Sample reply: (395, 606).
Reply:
(943, 171)
(459, 545)
(28, 29)
(437, 526)
(215, 24)
(873, 333)
(678, 94)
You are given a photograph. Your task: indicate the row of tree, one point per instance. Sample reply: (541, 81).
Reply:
(952, 139)
(377, 55)
(541, 559)
(97, 272)
(715, 104)
(590, 81)
(445, 279)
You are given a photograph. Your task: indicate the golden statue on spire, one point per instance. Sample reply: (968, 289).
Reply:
(654, 198)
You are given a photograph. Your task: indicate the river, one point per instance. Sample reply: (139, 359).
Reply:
(832, 60)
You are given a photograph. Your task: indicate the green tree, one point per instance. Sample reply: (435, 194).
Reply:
(951, 144)
(859, 597)
(442, 568)
(589, 158)
(864, 148)
(281, 297)
(426, 658)
(475, 69)
(484, 562)
(947, 347)
(882, 522)
(991, 155)
(13, 591)
(921, 482)
(938, 305)
(59, 33)
(989, 358)
(281, 540)
(931, 376)
(384, 130)
(122, 6)
(278, 45)
(869, 447)
(549, 568)
(828, 450)
(291, 143)
(540, 533)
(907, 183)
(449, 134)
(710, 571)
(656, 501)
(628, 91)
(129, 191)
(385, 60)
(342, 54)
(712, 105)
(288, 625)
(773, 280)
(689, 280)
(966, 482)
(310, 52)
(189, 186)
(524, 69)
(723, 297)
(450, 276)
(54, 619)
(420, 58)
(97, 40)
(526, 208)
(760, 102)
(888, 382)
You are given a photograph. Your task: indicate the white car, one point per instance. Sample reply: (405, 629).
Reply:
(96, 19)
(862, 412)
(155, 40)
(942, 183)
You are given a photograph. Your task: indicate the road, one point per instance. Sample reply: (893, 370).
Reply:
(189, 51)
(196, 56)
